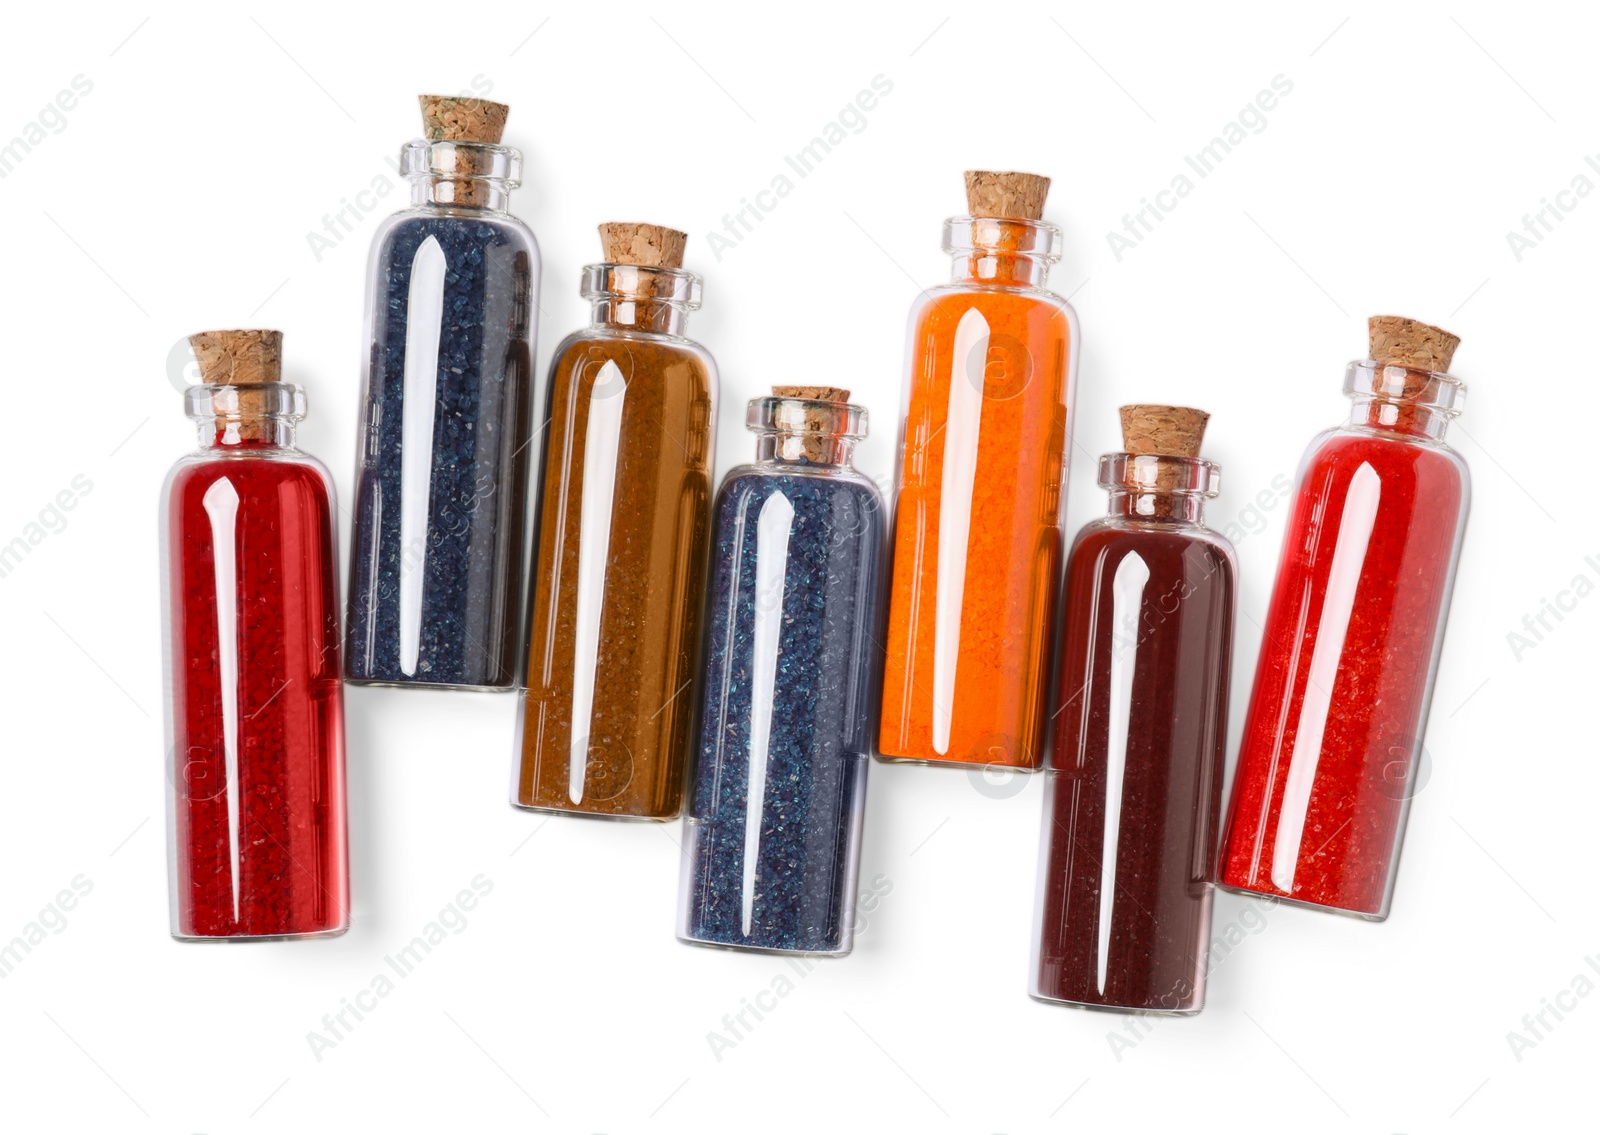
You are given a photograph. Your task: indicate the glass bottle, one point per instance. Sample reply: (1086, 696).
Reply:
(1333, 734)
(441, 476)
(773, 838)
(605, 721)
(255, 734)
(977, 540)
(1134, 788)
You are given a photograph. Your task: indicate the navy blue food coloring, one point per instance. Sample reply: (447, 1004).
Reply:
(774, 832)
(444, 449)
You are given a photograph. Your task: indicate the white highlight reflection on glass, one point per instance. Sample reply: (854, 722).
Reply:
(222, 509)
(1127, 598)
(772, 565)
(963, 418)
(424, 321)
(1338, 602)
(601, 443)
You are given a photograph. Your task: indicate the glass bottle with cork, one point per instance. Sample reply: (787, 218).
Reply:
(985, 432)
(1333, 736)
(256, 803)
(441, 474)
(605, 719)
(1133, 791)
(773, 839)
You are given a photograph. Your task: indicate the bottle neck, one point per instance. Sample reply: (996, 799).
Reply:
(1159, 487)
(246, 418)
(638, 315)
(246, 434)
(461, 193)
(785, 448)
(1180, 508)
(805, 432)
(627, 297)
(1402, 400)
(461, 175)
(1001, 252)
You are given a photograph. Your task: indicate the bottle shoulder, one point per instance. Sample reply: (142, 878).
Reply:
(622, 335)
(275, 467)
(1021, 293)
(760, 480)
(1345, 448)
(487, 226)
(1041, 321)
(1156, 539)
(940, 310)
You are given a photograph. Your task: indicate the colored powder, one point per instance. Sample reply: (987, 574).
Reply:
(1360, 786)
(1012, 551)
(642, 670)
(1166, 814)
(801, 892)
(471, 545)
(289, 798)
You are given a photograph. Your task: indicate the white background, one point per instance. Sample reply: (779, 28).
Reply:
(178, 196)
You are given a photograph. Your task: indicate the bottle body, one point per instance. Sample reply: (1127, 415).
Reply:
(772, 844)
(256, 830)
(605, 720)
(1351, 643)
(441, 478)
(1134, 786)
(977, 528)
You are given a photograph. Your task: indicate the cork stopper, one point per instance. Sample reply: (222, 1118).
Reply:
(813, 432)
(1019, 196)
(815, 393)
(1398, 341)
(1170, 431)
(244, 362)
(645, 246)
(446, 118)
(238, 358)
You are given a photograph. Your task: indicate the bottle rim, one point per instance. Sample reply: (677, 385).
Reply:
(968, 235)
(284, 401)
(635, 283)
(1411, 386)
(1160, 473)
(421, 159)
(774, 414)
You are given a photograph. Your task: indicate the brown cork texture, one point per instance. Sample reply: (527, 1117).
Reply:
(1394, 340)
(1019, 196)
(238, 358)
(646, 246)
(815, 393)
(446, 118)
(1157, 431)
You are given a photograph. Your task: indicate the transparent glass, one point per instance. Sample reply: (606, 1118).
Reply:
(255, 735)
(446, 428)
(1333, 735)
(605, 719)
(1133, 789)
(773, 840)
(985, 433)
